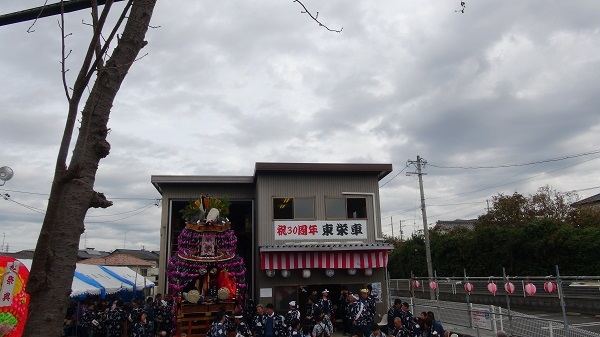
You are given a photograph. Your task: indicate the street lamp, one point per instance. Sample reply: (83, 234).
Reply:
(6, 173)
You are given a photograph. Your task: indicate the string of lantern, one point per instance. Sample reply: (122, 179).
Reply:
(495, 283)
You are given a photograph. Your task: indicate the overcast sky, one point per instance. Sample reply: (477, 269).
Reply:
(226, 84)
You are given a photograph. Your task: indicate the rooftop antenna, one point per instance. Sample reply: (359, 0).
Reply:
(6, 173)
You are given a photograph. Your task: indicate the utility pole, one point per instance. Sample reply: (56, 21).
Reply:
(392, 224)
(419, 163)
(400, 230)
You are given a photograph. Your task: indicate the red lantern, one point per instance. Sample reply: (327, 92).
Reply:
(469, 287)
(13, 275)
(432, 285)
(416, 284)
(550, 287)
(509, 287)
(492, 288)
(530, 289)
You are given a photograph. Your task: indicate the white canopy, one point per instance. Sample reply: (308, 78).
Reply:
(94, 280)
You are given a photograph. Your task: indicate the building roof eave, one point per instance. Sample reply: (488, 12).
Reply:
(324, 247)
(160, 180)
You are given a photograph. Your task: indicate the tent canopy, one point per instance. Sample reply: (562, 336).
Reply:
(103, 280)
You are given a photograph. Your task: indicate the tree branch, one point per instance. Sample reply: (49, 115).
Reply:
(110, 37)
(29, 30)
(95, 25)
(63, 56)
(99, 201)
(314, 17)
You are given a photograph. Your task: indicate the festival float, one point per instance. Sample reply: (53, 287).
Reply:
(205, 273)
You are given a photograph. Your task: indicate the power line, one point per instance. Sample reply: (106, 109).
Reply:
(155, 202)
(394, 176)
(7, 197)
(47, 10)
(521, 164)
(512, 182)
(123, 218)
(126, 212)
(47, 194)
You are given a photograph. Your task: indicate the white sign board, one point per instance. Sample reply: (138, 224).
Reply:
(482, 318)
(266, 292)
(320, 230)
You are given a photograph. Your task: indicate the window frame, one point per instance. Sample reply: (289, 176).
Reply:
(346, 217)
(293, 202)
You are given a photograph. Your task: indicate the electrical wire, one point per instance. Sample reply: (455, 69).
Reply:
(515, 181)
(521, 164)
(123, 218)
(7, 197)
(134, 210)
(394, 176)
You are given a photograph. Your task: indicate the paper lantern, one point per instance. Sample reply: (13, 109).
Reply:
(530, 289)
(193, 296)
(416, 284)
(368, 272)
(223, 293)
(433, 285)
(305, 273)
(329, 272)
(352, 271)
(285, 273)
(509, 287)
(270, 272)
(15, 301)
(492, 287)
(550, 287)
(469, 287)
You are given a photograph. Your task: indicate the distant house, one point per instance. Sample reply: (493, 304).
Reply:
(148, 269)
(446, 226)
(593, 201)
(82, 254)
(89, 253)
(150, 273)
(139, 253)
(22, 254)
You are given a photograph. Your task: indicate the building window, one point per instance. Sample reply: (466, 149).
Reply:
(293, 208)
(144, 271)
(346, 208)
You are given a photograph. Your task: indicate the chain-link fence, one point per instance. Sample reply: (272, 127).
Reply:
(454, 306)
(486, 321)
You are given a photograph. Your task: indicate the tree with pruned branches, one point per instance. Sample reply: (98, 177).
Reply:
(72, 193)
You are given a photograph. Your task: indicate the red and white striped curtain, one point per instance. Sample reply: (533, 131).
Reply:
(324, 259)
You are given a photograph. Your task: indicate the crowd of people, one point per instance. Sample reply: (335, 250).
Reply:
(112, 318)
(157, 318)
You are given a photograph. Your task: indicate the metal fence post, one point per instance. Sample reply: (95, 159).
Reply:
(510, 325)
(494, 326)
(561, 296)
(550, 329)
(468, 303)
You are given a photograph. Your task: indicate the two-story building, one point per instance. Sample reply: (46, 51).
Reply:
(300, 227)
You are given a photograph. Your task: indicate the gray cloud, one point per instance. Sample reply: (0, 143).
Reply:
(225, 84)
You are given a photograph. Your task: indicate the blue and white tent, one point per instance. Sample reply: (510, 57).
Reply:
(103, 280)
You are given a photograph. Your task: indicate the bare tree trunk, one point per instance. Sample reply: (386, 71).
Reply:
(72, 192)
